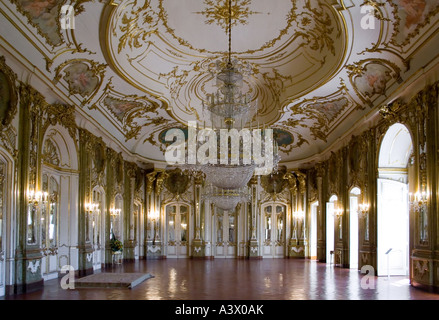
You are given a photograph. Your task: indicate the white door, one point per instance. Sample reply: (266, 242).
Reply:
(353, 232)
(313, 231)
(274, 231)
(225, 234)
(97, 228)
(49, 227)
(393, 228)
(330, 232)
(177, 230)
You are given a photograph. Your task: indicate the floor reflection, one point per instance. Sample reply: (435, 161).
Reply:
(230, 279)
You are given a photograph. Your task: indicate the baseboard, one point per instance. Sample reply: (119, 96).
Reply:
(425, 287)
(86, 272)
(24, 288)
(156, 258)
(202, 258)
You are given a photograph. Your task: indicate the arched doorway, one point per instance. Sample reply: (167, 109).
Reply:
(354, 202)
(59, 175)
(330, 228)
(393, 210)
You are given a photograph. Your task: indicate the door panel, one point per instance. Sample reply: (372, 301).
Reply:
(392, 215)
(225, 231)
(49, 226)
(177, 230)
(274, 231)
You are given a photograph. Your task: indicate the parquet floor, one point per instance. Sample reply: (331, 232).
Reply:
(231, 279)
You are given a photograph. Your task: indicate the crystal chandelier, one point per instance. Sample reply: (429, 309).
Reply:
(229, 108)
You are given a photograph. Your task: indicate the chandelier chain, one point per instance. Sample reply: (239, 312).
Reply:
(230, 31)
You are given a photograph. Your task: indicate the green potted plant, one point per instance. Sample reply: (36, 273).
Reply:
(115, 245)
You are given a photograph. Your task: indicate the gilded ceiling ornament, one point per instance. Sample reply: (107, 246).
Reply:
(217, 12)
(377, 12)
(133, 26)
(180, 70)
(60, 114)
(8, 94)
(391, 112)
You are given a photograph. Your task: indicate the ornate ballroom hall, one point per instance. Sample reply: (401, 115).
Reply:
(105, 103)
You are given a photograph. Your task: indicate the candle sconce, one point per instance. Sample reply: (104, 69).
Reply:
(338, 212)
(37, 198)
(363, 210)
(91, 207)
(418, 201)
(298, 215)
(115, 212)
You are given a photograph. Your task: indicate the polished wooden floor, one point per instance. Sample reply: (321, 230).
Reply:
(230, 279)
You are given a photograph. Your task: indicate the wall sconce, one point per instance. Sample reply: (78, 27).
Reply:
(363, 209)
(184, 226)
(338, 212)
(91, 207)
(418, 201)
(298, 215)
(154, 215)
(37, 197)
(115, 212)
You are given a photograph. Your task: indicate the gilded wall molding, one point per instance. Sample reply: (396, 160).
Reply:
(8, 107)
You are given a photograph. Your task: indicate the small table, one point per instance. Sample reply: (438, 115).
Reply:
(117, 257)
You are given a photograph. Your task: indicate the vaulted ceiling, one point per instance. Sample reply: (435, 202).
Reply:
(136, 68)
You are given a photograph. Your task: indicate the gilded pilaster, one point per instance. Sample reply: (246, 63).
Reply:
(321, 213)
(28, 252)
(128, 216)
(253, 244)
(198, 245)
(85, 248)
(154, 187)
